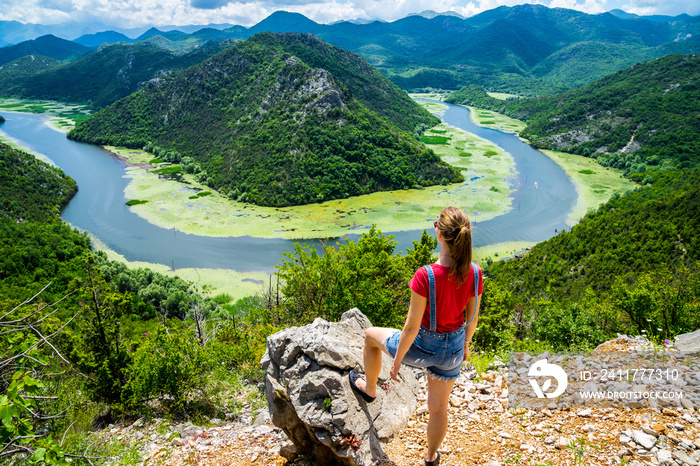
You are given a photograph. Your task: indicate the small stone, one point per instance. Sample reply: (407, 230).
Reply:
(585, 413)
(289, 452)
(624, 439)
(687, 404)
(684, 458)
(549, 440)
(492, 463)
(563, 442)
(660, 428)
(504, 435)
(178, 441)
(650, 431)
(645, 440)
(664, 457)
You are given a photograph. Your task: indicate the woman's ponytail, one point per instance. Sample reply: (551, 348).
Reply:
(457, 231)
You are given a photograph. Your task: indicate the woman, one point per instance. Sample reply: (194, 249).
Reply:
(434, 335)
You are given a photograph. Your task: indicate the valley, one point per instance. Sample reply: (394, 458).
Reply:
(487, 194)
(211, 190)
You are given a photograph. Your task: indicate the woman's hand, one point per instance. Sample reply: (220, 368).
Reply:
(466, 350)
(394, 371)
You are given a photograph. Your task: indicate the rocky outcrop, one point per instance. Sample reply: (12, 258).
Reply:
(309, 395)
(688, 341)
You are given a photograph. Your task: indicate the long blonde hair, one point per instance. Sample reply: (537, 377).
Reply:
(456, 230)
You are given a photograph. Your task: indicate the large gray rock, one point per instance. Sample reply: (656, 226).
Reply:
(688, 341)
(309, 395)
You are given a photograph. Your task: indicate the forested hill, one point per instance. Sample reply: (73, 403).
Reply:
(280, 119)
(100, 78)
(644, 116)
(631, 266)
(50, 46)
(31, 190)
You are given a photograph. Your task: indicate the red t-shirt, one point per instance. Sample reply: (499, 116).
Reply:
(452, 297)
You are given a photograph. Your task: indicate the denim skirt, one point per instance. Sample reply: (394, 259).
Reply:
(441, 354)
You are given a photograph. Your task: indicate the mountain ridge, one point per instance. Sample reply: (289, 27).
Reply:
(417, 52)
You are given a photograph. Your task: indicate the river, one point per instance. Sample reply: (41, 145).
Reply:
(543, 196)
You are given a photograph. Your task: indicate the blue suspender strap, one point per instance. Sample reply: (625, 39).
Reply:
(475, 268)
(432, 298)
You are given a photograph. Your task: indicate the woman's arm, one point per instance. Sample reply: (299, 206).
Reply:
(409, 332)
(469, 331)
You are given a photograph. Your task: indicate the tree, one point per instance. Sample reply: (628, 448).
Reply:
(366, 274)
(25, 347)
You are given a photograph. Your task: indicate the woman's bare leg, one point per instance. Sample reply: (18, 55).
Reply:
(438, 401)
(374, 345)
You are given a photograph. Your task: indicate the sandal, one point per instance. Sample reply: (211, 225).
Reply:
(353, 378)
(435, 462)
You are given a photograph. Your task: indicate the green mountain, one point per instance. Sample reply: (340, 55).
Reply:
(99, 38)
(112, 72)
(643, 117)
(49, 46)
(280, 119)
(647, 114)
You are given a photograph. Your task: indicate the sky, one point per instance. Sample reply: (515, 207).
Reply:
(138, 13)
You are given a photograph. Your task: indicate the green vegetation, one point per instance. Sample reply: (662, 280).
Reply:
(644, 117)
(474, 95)
(135, 202)
(641, 119)
(106, 331)
(41, 200)
(201, 194)
(259, 133)
(366, 274)
(434, 140)
(100, 78)
(631, 266)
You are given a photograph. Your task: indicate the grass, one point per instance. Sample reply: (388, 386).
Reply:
(498, 251)
(168, 170)
(434, 139)
(496, 120)
(200, 194)
(501, 95)
(594, 183)
(135, 202)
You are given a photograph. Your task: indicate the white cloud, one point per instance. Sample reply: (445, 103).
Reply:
(588, 6)
(668, 7)
(139, 13)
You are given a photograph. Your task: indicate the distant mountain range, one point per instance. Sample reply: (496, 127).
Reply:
(49, 46)
(525, 49)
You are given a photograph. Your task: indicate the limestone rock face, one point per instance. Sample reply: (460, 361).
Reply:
(309, 394)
